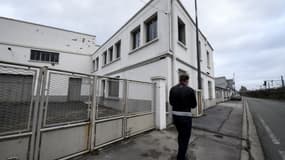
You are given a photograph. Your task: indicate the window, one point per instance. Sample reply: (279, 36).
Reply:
(110, 50)
(181, 31)
(93, 65)
(113, 87)
(136, 38)
(208, 59)
(151, 28)
(105, 58)
(118, 49)
(44, 56)
(97, 63)
(210, 90)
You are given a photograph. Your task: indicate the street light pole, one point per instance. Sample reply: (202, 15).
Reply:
(198, 48)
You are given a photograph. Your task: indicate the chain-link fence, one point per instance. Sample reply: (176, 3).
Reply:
(140, 97)
(16, 96)
(110, 93)
(68, 98)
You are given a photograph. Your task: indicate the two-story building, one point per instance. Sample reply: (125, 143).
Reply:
(159, 40)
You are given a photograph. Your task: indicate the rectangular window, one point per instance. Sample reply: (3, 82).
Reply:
(210, 90)
(181, 31)
(44, 56)
(151, 28)
(97, 63)
(105, 57)
(113, 88)
(118, 49)
(93, 66)
(136, 38)
(208, 59)
(110, 51)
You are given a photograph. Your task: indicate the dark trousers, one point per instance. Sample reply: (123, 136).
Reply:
(183, 125)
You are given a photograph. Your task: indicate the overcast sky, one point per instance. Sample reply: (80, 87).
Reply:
(248, 35)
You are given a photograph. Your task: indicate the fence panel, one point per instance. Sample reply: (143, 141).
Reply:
(66, 115)
(69, 99)
(140, 110)
(17, 100)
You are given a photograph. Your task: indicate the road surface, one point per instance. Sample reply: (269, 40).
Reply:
(269, 118)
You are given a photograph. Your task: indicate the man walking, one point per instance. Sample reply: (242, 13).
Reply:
(182, 98)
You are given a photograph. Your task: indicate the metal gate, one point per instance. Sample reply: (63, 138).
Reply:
(19, 86)
(40, 120)
(123, 108)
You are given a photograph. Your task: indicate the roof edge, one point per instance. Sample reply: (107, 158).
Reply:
(66, 30)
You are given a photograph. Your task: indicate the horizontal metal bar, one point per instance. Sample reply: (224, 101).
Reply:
(139, 114)
(74, 155)
(16, 135)
(64, 123)
(19, 64)
(60, 70)
(108, 119)
(102, 145)
(141, 131)
(64, 126)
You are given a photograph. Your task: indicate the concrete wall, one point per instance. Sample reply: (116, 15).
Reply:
(19, 37)
(146, 50)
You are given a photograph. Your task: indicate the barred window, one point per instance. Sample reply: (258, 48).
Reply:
(44, 56)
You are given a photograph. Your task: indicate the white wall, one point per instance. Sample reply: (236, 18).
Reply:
(67, 61)
(146, 50)
(34, 35)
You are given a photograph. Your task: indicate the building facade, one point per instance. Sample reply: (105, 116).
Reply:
(158, 41)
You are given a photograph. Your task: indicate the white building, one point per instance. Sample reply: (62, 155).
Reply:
(39, 45)
(159, 40)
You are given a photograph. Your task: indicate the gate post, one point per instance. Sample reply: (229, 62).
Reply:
(160, 102)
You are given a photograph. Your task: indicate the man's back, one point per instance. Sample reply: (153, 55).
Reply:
(182, 98)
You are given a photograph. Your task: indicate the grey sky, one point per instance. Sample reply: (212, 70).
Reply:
(248, 35)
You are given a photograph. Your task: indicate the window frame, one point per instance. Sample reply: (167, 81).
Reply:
(181, 36)
(136, 36)
(151, 28)
(44, 56)
(118, 51)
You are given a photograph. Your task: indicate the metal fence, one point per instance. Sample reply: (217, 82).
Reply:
(53, 114)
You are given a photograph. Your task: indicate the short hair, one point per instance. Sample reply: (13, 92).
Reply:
(183, 77)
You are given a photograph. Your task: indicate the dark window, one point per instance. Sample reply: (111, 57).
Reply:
(151, 28)
(113, 88)
(210, 90)
(93, 65)
(44, 56)
(181, 31)
(110, 50)
(97, 63)
(136, 38)
(105, 57)
(208, 59)
(118, 49)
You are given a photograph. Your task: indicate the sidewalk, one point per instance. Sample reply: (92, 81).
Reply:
(215, 136)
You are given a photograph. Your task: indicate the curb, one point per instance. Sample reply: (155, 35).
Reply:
(251, 146)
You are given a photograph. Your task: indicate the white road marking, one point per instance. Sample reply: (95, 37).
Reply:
(282, 153)
(269, 132)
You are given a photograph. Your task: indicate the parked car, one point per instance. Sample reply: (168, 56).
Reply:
(236, 98)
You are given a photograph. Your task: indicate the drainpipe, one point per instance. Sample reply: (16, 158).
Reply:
(171, 44)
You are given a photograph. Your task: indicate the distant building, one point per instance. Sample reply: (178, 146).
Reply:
(225, 88)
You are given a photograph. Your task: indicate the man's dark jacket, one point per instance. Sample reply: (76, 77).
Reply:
(182, 98)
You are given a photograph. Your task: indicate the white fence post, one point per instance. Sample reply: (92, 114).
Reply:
(160, 102)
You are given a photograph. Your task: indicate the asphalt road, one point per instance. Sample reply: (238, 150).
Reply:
(269, 118)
